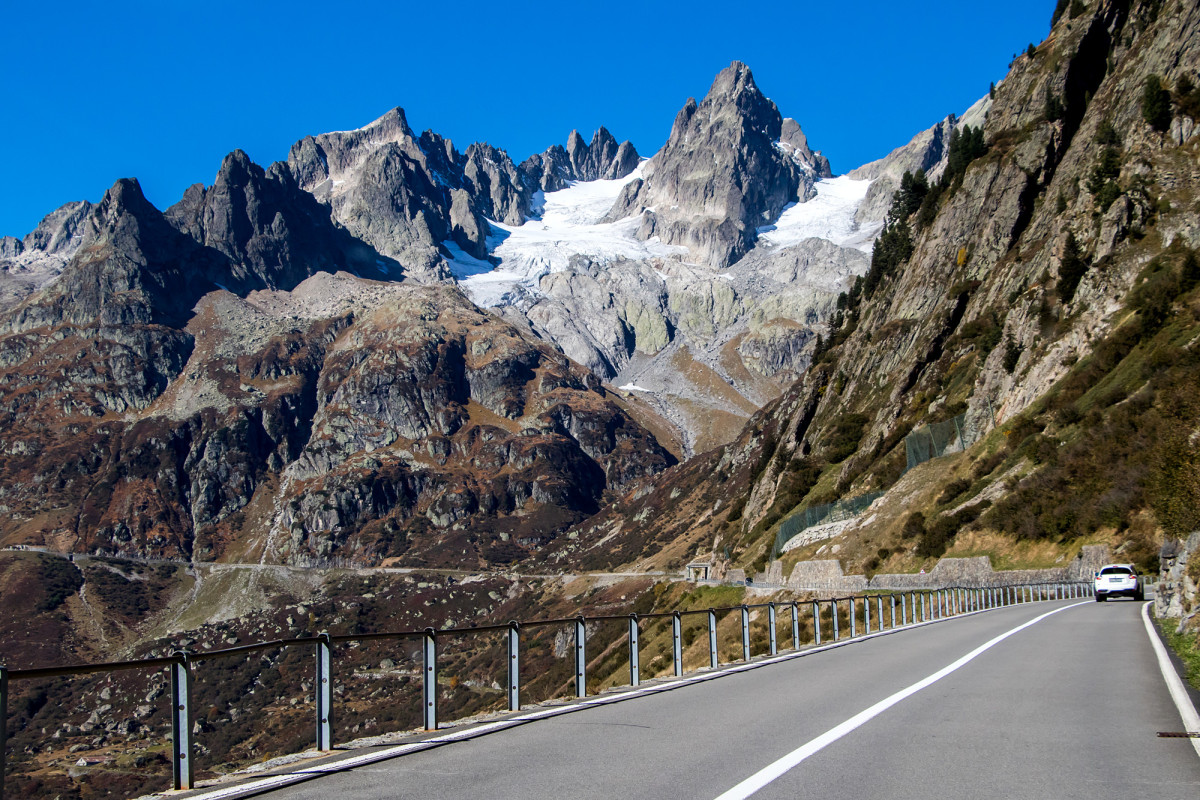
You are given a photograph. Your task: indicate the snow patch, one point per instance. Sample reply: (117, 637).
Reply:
(633, 387)
(829, 215)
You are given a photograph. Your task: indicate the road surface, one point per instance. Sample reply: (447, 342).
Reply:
(1068, 706)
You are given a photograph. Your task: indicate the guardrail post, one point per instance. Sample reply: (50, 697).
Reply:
(903, 609)
(323, 692)
(816, 607)
(771, 620)
(429, 677)
(514, 666)
(712, 638)
(893, 599)
(635, 670)
(182, 769)
(3, 725)
(745, 633)
(677, 643)
(833, 611)
(879, 608)
(924, 609)
(866, 615)
(795, 627)
(580, 657)
(853, 620)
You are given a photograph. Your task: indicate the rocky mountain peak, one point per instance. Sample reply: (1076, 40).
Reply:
(602, 159)
(723, 172)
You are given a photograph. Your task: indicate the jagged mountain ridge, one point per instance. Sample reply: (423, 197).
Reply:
(407, 195)
(149, 326)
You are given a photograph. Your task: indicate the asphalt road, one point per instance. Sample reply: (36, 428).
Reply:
(1067, 707)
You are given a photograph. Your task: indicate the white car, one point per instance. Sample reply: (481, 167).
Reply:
(1117, 580)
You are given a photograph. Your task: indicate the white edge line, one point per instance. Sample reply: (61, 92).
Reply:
(772, 771)
(303, 774)
(1187, 711)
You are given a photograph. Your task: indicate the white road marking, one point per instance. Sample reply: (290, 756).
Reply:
(772, 771)
(1187, 711)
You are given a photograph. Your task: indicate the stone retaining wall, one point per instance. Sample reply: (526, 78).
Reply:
(978, 571)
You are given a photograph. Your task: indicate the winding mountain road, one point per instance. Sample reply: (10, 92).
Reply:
(1060, 699)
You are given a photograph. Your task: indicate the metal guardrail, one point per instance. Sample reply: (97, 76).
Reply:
(914, 606)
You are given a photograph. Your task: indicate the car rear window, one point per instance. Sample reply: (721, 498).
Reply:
(1116, 571)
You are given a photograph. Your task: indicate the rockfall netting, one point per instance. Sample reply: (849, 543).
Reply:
(822, 515)
(937, 439)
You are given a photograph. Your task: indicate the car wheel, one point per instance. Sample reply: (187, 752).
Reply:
(1100, 598)
(1140, 595)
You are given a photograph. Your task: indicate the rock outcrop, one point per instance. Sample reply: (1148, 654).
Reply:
(1177, 593)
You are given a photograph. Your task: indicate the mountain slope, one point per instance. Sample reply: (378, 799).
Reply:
(1045, 290)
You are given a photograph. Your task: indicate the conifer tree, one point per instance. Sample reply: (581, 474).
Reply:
(1071, 269)
(1156, 104)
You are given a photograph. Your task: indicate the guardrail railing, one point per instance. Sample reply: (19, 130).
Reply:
(903, 609)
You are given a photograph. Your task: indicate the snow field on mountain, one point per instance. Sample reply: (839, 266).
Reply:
(569, 226)
(829, 215)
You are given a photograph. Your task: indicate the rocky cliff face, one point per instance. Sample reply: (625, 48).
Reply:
(729, 167)
(1027, 291)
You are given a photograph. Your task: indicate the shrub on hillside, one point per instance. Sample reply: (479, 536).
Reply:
(952, 490)
(843, 440)
(914, 525)
(59, 579)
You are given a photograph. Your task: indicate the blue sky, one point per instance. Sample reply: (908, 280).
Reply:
(162, 91)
